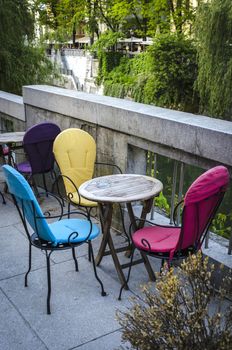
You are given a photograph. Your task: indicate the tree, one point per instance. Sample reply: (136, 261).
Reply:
(164, 75)
(149, 16)
(20, 62)
(69, 15)
(47, 10)
(214, 82)
(65, 16)
(132, 17)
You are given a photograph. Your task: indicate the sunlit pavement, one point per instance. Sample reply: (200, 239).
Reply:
(80, 317)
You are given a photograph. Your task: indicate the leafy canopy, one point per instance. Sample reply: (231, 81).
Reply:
(164, 75)
(213, 34)
(21, 62)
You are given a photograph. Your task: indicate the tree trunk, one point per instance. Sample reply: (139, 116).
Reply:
(179, 16)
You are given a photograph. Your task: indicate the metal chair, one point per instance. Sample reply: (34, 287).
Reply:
(201, 202)
(2, 180)
(3, 198)
(37, 144)
(59, 235)
(75, 154)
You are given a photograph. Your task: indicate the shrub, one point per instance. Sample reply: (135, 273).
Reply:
(213, 29)
(180, 314)
(175, 69)
(163, 76)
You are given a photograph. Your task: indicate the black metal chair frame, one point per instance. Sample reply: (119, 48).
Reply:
(3, 198)
(89, 209)
(180, 254)
(48, 248)
(31, 178)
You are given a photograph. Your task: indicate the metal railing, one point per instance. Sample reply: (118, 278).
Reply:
(73, 52)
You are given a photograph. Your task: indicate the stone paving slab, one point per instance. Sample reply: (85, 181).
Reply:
(79, 313)
(15, 332)
(81, 318)
(107, 342)
(14, 254)
(8, 213)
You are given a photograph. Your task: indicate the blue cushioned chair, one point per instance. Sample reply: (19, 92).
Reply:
(59, 235)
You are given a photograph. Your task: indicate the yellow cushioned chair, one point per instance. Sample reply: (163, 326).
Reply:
(75, 153)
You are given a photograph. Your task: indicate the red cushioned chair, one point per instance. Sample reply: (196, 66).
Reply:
(201, 202)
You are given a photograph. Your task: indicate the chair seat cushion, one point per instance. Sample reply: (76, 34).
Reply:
(63, 228)
(84, 202)
(161, 239)
(24, 167)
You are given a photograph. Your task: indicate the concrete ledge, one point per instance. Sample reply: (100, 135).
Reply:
(12, 105)
(202, 136)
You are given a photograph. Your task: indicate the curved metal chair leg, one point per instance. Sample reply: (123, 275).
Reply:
(69, 206)
(128, 276)
(103, 293)
(3, 198)
(89, 253)
(49, 282)
(32, 182)
(55, 182)
(75, 259)
(29, 268)
(45, 183)
(88, 210)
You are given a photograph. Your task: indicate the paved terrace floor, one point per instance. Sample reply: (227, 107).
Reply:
(81, 318)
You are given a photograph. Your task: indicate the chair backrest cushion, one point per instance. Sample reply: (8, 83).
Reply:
(38, 145)
(200, 204)
(27, 202)
(75, 153)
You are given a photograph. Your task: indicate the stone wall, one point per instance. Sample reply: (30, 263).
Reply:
(120, 126)
(12, 114)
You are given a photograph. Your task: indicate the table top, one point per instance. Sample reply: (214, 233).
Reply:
(12, 137)
(120, 188)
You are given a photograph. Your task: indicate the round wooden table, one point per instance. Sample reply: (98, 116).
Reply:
(121, 188)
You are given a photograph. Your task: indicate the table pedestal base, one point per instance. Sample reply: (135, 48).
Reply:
(106, 211)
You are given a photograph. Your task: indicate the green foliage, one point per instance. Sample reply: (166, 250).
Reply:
(178, 313)
(47, 10)
(20, 62)
(214, 32)
(106, 41)
(220, 225)
(174, 61)
(118, 82)
(163, 76)
(170, 16)
(108, 60)
(140, 17)
(162, 203)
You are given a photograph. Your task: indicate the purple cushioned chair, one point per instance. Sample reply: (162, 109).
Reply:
(38, 144)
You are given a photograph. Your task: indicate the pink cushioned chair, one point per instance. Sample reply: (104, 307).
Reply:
(200, 205)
